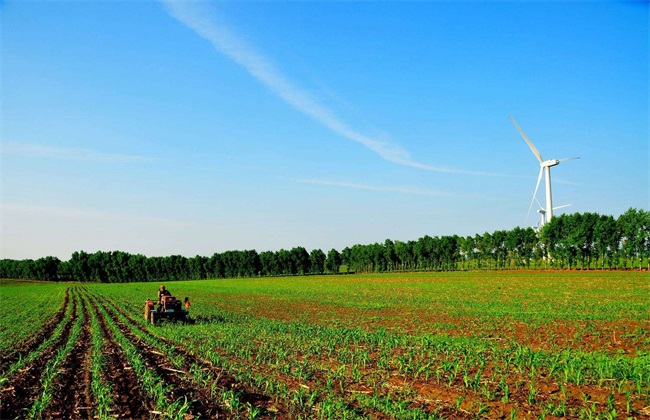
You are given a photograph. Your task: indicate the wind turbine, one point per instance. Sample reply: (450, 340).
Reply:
(545, 168)
(542, 213)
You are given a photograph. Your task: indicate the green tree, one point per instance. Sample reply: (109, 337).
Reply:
(301, 260)
(404, 253)
(333, 261)
(607, 238)
(317, 259)
(633, 225)
(389, 254)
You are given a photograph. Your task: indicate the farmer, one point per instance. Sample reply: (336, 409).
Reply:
(187, 303)
(162, 292)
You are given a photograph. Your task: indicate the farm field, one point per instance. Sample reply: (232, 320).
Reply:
(458, 345)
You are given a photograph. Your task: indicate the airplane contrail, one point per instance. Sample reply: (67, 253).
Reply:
(209, 26)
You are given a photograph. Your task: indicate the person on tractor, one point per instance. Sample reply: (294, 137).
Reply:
(162, 292)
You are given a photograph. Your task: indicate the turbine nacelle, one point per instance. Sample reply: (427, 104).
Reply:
(549, 163)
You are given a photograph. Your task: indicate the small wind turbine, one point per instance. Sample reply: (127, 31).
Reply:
(545, 167)
(542, 213)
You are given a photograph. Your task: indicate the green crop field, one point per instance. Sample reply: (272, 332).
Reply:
(456, 345)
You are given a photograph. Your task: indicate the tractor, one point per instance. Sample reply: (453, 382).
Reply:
(169, 308)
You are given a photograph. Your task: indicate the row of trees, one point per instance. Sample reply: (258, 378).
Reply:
(120, 267)
(580, 240)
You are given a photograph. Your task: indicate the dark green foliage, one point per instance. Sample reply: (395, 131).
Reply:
(333, 261)
(579, 240)
(317, 260)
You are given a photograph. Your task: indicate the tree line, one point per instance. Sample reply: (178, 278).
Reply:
(568, 241)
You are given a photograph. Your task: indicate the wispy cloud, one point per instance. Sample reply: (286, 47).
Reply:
(43, 151)
(201, 19)
(402, 190)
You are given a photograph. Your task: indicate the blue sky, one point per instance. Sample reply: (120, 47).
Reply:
(197, 127)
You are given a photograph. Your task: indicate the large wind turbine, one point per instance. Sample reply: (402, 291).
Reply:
(545, 168)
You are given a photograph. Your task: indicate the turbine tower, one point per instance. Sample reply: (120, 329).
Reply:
(545, 168)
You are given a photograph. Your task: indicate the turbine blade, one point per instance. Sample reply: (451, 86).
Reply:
(539, 179)
(565, 159)
(561, 207)
(530, 144)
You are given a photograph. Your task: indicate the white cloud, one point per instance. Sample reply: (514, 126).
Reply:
(43, 151)
(202, 21)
